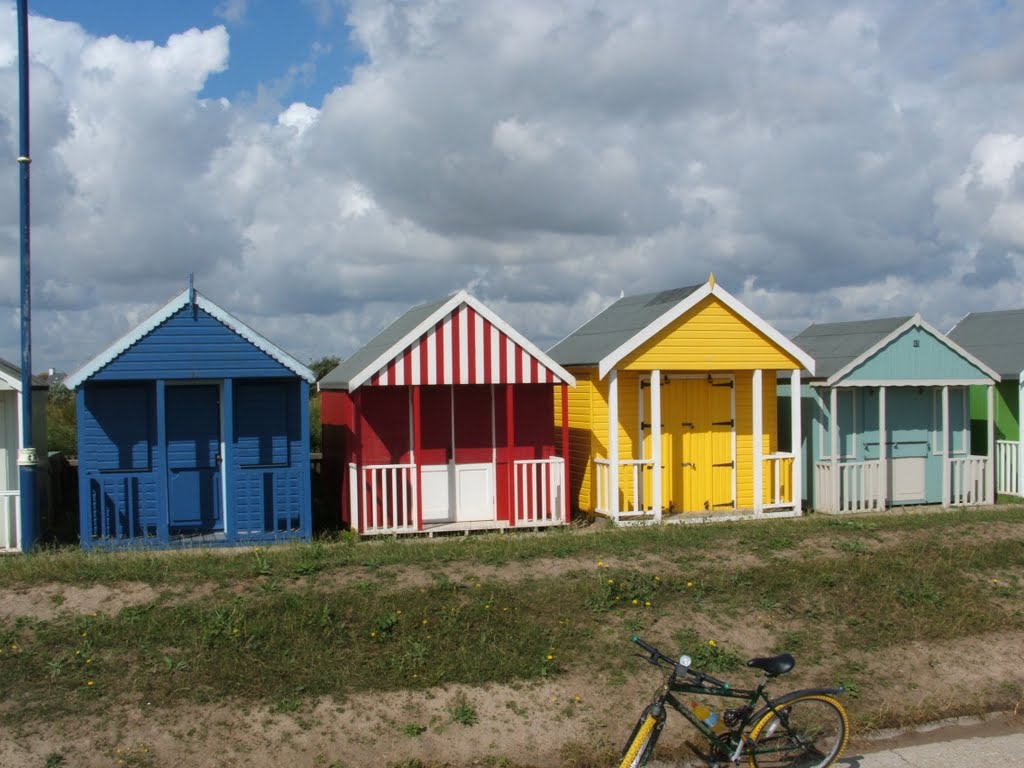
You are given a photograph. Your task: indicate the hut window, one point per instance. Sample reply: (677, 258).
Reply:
(119, 426)
(261, 425)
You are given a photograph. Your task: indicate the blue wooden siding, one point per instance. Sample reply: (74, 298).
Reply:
(118, 466)
(916, 355)
(271, 489)
(192, 344)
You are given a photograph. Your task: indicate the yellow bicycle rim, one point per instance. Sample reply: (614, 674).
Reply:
(638, 741)
(756, 730)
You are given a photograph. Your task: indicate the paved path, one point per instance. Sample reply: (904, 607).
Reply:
(1006, 750)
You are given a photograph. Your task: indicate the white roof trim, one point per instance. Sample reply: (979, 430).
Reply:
(13, 381)
(163, 314)
(462, 297)
(652, 329)
(915, 321)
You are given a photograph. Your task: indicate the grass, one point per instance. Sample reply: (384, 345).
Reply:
(274, 627)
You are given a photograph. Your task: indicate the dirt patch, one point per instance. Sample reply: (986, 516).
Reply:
(46, 602)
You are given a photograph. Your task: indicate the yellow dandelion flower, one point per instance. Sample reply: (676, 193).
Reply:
(426, 621)
(14, 646)
(89, 682)
(487, 605)
(88, 661)
(712, 643)
(78, 652)
(578, 699)
(478, 585)
(550, 657)
(647, 603)
(600, 563)
(635, 601)
(689, 583)
(611, 581)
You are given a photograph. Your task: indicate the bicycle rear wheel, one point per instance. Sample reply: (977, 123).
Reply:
(807, 732)
(641, 743)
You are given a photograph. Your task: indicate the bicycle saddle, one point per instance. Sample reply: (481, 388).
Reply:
(774, 665)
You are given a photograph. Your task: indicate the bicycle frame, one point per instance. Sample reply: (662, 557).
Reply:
(732, 743)
(749, 696)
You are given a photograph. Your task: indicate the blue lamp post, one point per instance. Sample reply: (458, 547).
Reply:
(29, 527)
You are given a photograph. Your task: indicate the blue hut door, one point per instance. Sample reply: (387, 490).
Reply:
(193, 458)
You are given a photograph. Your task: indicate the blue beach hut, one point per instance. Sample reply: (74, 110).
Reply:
(887, 417)
(192, 429)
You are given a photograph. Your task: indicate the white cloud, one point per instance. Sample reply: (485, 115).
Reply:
(824, 161)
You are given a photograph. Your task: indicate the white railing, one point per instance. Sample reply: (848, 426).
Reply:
(967, 480)
(860, 486)
(539, 496)
(778, 479)
(605, 488)
(10, 504)
(1008, 467)
(383, 498)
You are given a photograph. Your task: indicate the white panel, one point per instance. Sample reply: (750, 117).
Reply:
(907, 479)
(473, 484)
(8, 440)
(436, 499)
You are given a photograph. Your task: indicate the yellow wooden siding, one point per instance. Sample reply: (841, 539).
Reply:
(588, 437)
(581, 438)
(710, 337)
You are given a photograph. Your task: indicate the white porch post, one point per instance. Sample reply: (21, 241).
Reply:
(1020, 434)
(990, 432)
(833, 436)
(656, 500)
(883, 453)
(613, 444)
(796, 433)
(758, 448)
(945, 447)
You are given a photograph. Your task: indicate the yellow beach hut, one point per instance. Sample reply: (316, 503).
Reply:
(674, 410)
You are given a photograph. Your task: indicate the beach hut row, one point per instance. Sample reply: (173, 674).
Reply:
(672, 406)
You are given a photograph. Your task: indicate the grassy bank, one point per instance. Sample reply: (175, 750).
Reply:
(282, 627)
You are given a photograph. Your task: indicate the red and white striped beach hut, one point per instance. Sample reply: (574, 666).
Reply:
(443, 423)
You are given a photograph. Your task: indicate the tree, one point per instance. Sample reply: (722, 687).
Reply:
(61, 428)
(321, 368)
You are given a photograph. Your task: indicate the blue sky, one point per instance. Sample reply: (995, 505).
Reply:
(298, 51)
(323, 165)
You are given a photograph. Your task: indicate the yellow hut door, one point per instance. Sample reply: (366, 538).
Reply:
(700, 417)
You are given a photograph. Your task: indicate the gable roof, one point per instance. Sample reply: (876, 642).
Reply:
(995, 337)
(182, 300)
(839, 348)
(633, 320)
(11, 375)
(412, 343)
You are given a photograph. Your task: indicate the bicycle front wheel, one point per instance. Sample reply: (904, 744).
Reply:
(807, 732)
(641, 743)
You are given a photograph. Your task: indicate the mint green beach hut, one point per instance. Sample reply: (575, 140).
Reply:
(886, 417)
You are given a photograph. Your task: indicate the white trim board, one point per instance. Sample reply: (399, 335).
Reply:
(163, 314)
(915, 322)
(609, 361)
(462, 297)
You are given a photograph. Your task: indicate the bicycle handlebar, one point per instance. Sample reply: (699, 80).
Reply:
(656, 658)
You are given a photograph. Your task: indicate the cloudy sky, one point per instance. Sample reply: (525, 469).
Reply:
(321, 166)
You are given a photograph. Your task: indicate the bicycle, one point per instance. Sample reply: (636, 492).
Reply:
(802, 729)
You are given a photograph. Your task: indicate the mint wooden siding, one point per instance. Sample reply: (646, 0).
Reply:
(192, 344)
(916, 355)
(913, 417)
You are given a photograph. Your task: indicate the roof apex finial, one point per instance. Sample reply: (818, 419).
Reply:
(711, 279)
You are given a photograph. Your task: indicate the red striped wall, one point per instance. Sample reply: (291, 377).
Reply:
(463, 348)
